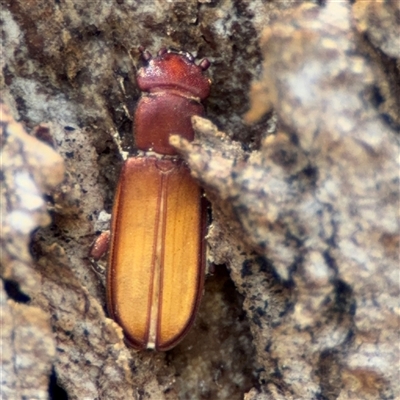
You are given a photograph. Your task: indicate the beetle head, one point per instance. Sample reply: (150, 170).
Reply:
(175, 70)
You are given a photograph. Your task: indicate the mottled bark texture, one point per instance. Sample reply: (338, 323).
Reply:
(319, 205)
(27, 342)
(304, 197)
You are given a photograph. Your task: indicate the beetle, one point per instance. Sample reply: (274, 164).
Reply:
(156, 263)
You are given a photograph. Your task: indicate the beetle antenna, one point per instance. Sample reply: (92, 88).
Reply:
(204, 64)
(146, 55)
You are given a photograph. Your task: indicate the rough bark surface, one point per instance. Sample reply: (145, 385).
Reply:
(319, 203)
(304, 192)
(27, 342)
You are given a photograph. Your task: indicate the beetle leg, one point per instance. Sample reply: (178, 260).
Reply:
(100, 246)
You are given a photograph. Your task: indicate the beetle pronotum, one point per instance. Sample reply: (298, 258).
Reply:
(156, 266)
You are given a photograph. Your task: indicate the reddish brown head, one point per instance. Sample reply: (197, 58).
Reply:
(176, 71)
